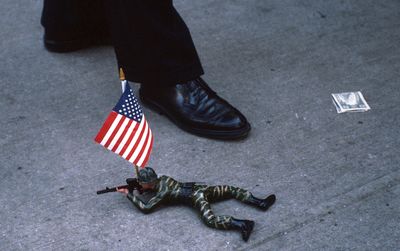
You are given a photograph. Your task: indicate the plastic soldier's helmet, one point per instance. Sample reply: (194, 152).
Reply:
(147, 175)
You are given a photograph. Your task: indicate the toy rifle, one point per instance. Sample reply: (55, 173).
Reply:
(132, 184)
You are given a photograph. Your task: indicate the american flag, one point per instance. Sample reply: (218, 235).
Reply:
(126, 131)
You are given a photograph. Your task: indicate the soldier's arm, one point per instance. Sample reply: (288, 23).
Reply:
(150, 205)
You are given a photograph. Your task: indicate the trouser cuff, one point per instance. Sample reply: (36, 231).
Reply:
(174, 77)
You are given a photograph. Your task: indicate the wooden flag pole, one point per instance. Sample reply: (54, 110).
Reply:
(137, 170)
(123, 80)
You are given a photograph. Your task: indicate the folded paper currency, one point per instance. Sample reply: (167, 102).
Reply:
(350, 102)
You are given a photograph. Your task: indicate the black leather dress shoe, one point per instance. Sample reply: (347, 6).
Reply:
(197, 109)
(71, 25)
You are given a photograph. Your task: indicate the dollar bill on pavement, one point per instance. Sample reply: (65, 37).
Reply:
(350, 102)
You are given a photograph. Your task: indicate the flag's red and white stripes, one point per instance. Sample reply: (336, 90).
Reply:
(124, 136)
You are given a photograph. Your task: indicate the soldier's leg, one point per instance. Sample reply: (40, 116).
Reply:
(216, 193)
(223, 221)
(210, 219)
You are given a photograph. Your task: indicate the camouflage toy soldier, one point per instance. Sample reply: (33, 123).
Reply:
(199, 196)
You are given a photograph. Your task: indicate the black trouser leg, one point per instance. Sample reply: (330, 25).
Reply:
(152, 43)
(73, 24)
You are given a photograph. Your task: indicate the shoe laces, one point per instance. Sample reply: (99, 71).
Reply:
(202, 101)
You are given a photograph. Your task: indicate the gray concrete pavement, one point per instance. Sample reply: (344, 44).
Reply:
(336, 176)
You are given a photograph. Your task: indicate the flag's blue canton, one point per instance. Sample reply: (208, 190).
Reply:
(128, 105)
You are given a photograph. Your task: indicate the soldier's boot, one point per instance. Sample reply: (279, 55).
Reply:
(244, 226)
(263, 204)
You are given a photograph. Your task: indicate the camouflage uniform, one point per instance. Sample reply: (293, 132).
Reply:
(199, 196)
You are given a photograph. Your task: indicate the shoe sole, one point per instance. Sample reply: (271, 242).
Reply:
(241, 133)
(65, 46)
(72, 45)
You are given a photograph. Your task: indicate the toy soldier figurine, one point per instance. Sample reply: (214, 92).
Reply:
(199, 196)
